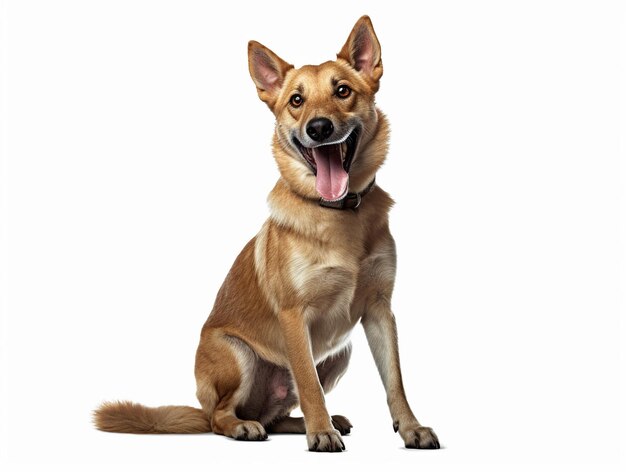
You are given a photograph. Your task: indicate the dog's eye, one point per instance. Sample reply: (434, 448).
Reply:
(343, 91)
(296, 100)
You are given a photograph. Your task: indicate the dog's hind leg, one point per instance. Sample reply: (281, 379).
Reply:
(224, 382)
(287, 425)
(226, 422)
(295, 425)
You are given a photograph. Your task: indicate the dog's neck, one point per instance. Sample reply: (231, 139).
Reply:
(305, 216)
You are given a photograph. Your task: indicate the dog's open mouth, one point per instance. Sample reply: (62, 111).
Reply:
(331, 164)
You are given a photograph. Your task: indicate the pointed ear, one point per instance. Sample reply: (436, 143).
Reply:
(267, 71)
(362, 50)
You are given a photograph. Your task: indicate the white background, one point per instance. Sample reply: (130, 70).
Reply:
(136, 163)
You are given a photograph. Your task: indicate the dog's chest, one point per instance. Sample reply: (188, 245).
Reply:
(325, 281)
(320, 277)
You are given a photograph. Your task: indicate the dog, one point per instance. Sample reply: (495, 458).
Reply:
(278, 334)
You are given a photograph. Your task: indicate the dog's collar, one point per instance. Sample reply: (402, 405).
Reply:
(351, 201)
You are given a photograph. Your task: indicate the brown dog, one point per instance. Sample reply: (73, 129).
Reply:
(278, 335)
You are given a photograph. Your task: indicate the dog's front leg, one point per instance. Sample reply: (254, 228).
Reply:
(380, 330)
(320, 434)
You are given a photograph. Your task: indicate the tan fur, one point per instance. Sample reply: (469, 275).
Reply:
(128, 417)
(278, 334)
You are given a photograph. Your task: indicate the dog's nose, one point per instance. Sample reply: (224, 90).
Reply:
(319, 129)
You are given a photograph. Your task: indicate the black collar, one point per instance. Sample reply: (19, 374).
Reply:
(350, 201)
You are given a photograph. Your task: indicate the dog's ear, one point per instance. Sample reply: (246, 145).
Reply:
(362, 51)
(267, 71)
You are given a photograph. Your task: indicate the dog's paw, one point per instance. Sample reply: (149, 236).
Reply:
(325, 441)
(418, 437)
(341, 424)
(249, 431)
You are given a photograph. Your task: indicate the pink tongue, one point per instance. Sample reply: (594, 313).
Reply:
(332, 180)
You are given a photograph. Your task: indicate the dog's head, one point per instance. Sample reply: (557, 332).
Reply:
(325, 115)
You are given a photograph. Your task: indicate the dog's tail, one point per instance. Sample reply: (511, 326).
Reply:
(129, 417)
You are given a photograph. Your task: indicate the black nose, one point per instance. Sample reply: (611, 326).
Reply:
(319, 129)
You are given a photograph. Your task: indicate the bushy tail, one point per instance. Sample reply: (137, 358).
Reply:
(129, 417)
